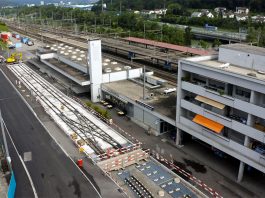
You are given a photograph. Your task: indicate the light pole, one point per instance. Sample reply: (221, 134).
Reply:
(144, 83)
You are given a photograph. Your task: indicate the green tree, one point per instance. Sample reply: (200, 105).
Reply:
(204, 44)
(216, 43)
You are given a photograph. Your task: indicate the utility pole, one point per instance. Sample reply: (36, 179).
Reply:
(144, 83)
(144, 30)
(120, 7)
(102, 9)
(161, 38)
(164, 8)
(95, 25)
(4, 135)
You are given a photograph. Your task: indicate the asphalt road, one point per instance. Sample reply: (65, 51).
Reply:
(52, 172)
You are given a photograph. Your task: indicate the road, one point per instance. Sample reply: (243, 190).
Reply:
(223, 35)
(52, 172)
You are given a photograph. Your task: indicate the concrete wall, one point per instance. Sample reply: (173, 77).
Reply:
(226, 76)
(135, 73)
(121, 75)
(47, 56)
(147, 119)
(243, 59)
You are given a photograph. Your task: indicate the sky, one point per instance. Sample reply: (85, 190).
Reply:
(46, 1)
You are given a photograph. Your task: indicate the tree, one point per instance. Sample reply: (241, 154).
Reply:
(204, 44)
(187, 36)
(175, 9)
(216, 43)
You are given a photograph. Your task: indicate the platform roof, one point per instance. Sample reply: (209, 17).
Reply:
(70, 72)
(168, 46)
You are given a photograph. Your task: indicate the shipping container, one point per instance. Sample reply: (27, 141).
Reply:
(4, 36)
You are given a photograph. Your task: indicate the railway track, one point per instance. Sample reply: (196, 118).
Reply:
(90, 132)
(169, 76)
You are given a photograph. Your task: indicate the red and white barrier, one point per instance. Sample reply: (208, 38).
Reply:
(188, 175)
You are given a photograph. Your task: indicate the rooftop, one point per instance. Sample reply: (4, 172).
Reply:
(74, 74)
(168, 46)
(245, 48)
(80, 57)
(233, 69)
(163, 104)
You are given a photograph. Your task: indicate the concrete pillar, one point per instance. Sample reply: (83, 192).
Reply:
(242, 164)
(178, 137)
(226, 88)
(95, 68)
(241, 171)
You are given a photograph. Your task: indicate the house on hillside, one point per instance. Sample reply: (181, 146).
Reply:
(258, 19)
(196, 14)
(241, 17)
(242, 10)
(228, 15)
(204, 12)
(220, 10)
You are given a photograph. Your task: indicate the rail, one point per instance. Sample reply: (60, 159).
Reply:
(85, 126)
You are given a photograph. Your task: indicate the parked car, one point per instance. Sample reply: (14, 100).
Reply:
(30, 43)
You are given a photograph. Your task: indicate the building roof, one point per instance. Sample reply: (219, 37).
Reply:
(130, 90)
(168, 46)
(196, 14)
(245, 48)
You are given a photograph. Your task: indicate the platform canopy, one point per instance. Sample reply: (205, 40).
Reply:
(169, 46)
(210, 124)
(210, 102)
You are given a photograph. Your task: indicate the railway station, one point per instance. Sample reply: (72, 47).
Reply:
(152, 103)
(160, 54)
(198, 108)
(120, 85)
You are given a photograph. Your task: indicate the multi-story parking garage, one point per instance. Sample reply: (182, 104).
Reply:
(221, 102)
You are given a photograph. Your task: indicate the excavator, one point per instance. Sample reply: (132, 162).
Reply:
(14, 58)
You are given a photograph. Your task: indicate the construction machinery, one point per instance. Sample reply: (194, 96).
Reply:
(14, 58)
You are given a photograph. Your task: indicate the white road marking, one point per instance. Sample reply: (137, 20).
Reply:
(27, 156)
(24, 166)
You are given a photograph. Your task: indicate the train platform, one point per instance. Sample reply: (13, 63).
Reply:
(108, 44)
(168, 46)
(60, 79)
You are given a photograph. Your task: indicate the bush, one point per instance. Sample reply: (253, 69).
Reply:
(89, 104)
(104, 113)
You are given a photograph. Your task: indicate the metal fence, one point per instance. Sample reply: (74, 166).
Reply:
(5, 159)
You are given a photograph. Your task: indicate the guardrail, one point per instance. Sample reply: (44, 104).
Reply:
(12, 182)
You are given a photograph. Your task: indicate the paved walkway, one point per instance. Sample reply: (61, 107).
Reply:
(3, 185)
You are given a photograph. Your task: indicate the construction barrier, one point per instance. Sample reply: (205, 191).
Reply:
(187, 175)
(124, 160)
(115, 152)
